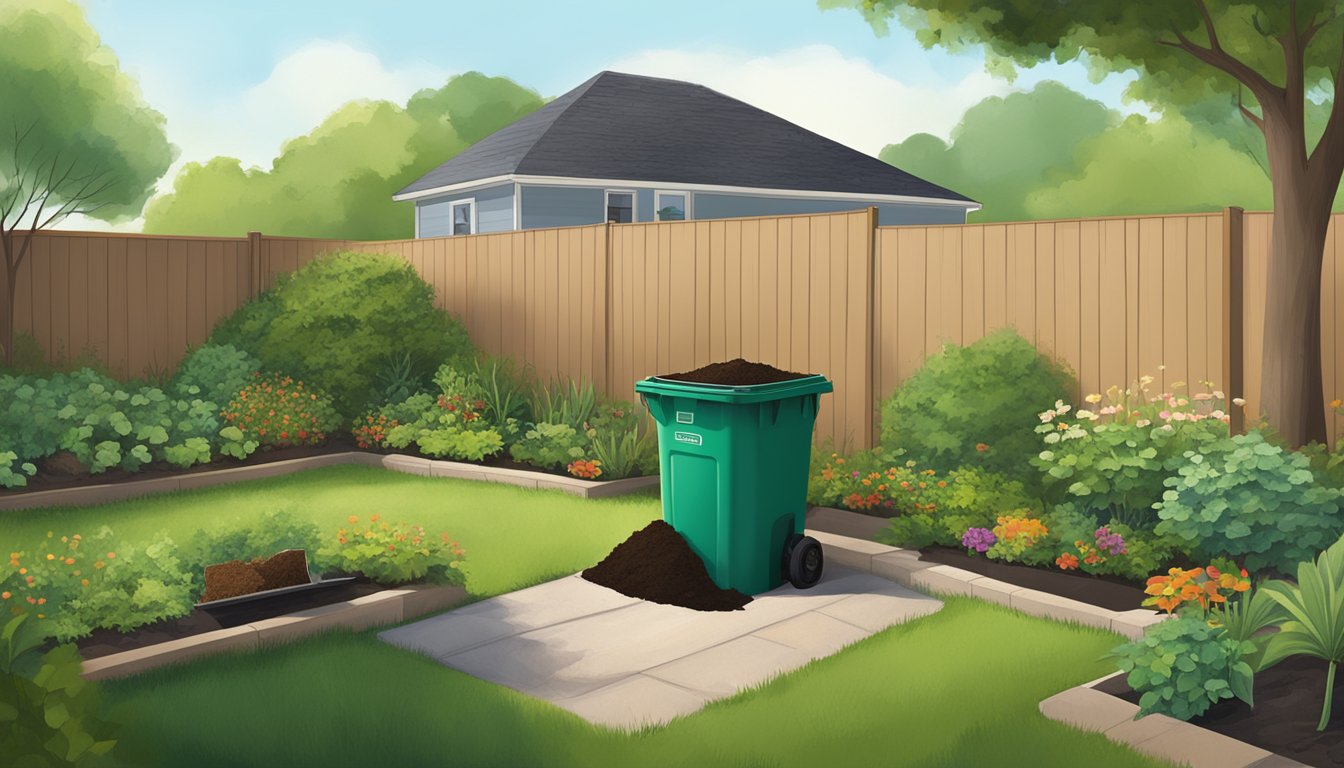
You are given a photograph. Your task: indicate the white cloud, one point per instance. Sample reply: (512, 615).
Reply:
(301, 90)
(843, 98)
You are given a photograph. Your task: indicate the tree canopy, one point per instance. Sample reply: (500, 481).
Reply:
(338, 180)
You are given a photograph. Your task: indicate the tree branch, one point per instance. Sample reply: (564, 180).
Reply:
(1333, 136)
(1255, 119)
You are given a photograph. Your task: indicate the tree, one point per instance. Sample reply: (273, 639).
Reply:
(338, 180)
(1270, 62)
(76, 136)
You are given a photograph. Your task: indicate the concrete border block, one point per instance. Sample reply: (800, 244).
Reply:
(411, 465)
(283, 629)
(944, 579)
(506, 476)
(174, 651)
(598, 489)
(994, 591)
(843, 550)
(899, 566)
(1132, 624)
(1046, 605)
(455, 470)
(1088, 709)
(420, 600)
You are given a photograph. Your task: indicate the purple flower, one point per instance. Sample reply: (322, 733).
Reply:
(1113, 543)
(978, 539)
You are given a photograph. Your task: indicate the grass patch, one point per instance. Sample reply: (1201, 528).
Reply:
(958, 688)
(513, 536)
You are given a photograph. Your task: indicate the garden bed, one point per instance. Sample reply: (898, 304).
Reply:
(1287, 706)
(1107, 592)
(104, 642)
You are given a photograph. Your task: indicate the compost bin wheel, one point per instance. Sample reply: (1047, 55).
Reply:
(803, 561)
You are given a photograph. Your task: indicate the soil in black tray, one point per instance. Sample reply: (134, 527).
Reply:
(656, 564)
(1102, 591)
(1288, 700)
(104, 642)
(283, 569)
(737, 372)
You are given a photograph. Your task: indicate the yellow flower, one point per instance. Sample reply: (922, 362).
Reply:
(50, 556)
(1336, 403)
(1093, 398)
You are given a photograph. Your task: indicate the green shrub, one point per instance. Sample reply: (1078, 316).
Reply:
(394, 553)
(31, 360)
(335, 320)
(30, 424)
(400, 376)
(275, 531)
(550, 446)
(505, 392)
(48, 711)
(1314, 618)
(275, 410)
(975, 406)
(1253, 501)
(12, 473)
(1183, 666)
(214, 373)
(564, 402)
(1113, 459)
(624, 452)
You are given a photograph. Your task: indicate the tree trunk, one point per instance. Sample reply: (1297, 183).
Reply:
(7, 311)
(1291, 396)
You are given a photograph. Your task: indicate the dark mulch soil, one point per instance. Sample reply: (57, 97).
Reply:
(104, 642)
(1288, 700)
(236, 578)
(1102, 591)
(283, 569)
(737, 372)
(656, 564)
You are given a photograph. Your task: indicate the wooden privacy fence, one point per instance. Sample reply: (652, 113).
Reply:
(1177, 297)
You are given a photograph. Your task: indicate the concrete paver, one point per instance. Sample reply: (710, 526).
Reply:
(624, 662)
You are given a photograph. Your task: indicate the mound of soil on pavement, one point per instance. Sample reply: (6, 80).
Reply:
(236, 578)
(1288, 699)
(737, 372)
(656, 564)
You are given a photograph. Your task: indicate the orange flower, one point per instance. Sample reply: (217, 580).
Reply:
(5, 595)
(111, 555)
(352, 519)
(981, 447)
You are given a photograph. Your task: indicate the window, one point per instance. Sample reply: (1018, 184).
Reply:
(620, 206)
(671, 206)
(463, 216)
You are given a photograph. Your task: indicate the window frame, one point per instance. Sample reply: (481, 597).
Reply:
(452, 215)
(658, 195)
(634, 204)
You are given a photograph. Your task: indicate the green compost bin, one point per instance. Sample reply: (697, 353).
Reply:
(734, 465)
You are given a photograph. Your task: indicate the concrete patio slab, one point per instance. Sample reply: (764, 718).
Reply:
(623, 662)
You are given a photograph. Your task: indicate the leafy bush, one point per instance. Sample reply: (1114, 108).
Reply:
(332, 323)
(1315, 625)
(79, 584)
(401, 376)
(451, 425)
(1249, 499)
(214, 373)
(48, 710)
(1113, 460)
(622, 453)
(974, 406)
(550, 446)
(504, 390)
(564, 402)
(1111, 549)
(276, 530)
(13, 474)
(1183, 666)
(274, 409)
(395, 553)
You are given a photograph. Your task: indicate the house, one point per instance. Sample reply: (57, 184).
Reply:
(626, 148)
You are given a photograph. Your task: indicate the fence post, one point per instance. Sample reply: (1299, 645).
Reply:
(254, 262)
(1234, 312)
(871, 342)
(609, 373)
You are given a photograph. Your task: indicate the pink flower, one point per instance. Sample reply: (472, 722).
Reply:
(1164, 415)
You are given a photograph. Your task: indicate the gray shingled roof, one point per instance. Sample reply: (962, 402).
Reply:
(629, 127)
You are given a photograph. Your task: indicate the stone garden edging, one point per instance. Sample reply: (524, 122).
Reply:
(103, 494)
(1158, 735)
(389, 606)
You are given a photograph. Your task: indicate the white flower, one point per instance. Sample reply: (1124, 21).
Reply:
(1161, 367)
(1238, 401)
(1108, 410)
(1145, 380)
(1088, 415)
(1202, 396)
(1142, 423)
(1218, 393)
(1047, 417)
(1219, 414)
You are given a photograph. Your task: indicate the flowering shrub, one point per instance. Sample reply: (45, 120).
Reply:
(394, 553)
(452, 423)
(1144, 551)
(1184, 666)
(978, 539)
(1105, 545)
(1113, 457)
(78, 584)
(1203, 587)
(371, 430)
(974, 406)
(214, 373)
(1015, 536)
(549, 445)
(588, 470)
(276, 410)
(1249, 499)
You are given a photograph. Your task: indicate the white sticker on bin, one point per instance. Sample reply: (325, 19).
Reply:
(685, 418)
(687, 437)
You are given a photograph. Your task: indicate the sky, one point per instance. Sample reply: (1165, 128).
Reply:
(240, 78)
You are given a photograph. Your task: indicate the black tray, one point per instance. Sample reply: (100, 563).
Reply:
(269, 603)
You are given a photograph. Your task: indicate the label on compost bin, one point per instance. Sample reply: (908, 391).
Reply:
(686, 437)
(685, 418)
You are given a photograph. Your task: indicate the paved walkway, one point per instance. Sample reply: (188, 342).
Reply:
(622, 662)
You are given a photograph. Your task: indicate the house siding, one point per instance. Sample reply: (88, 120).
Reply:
(708, 205)
(494, 211)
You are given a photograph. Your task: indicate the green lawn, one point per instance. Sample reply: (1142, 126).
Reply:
(959, 688)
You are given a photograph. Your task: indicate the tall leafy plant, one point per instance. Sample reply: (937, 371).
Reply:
(1315, 605)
